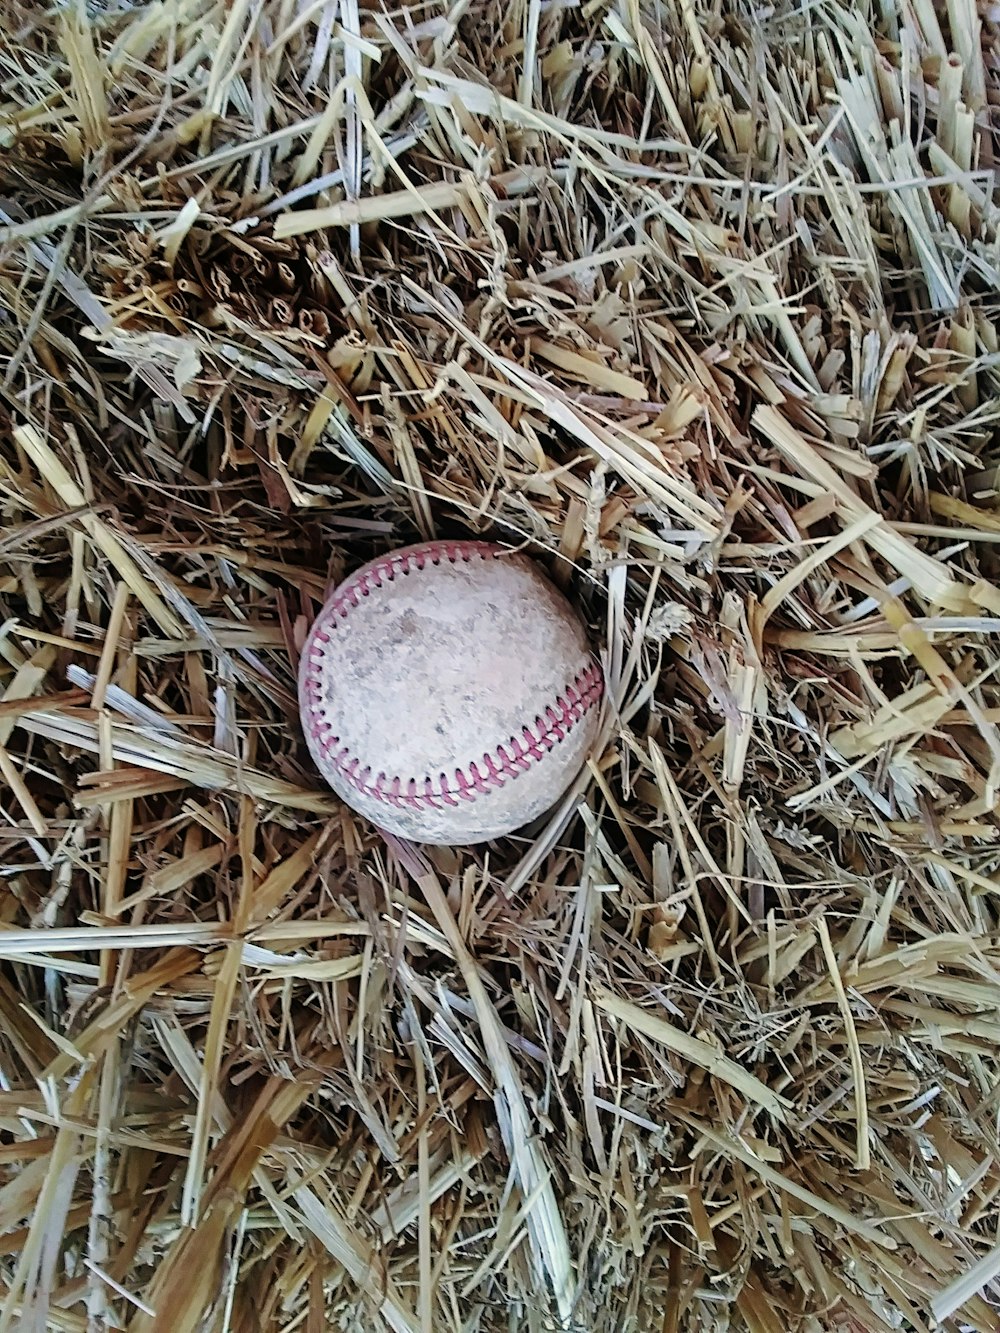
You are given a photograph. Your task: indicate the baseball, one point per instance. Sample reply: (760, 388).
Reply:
(448, 692)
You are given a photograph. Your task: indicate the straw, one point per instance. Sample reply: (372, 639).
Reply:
(694, 303)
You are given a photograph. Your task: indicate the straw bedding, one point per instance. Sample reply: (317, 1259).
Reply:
(696, 302)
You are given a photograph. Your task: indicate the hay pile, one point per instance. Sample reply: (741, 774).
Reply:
(697, 301)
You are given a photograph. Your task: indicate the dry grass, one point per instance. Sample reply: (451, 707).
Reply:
(696, 298)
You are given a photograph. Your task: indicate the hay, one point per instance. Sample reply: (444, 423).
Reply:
(697, 302)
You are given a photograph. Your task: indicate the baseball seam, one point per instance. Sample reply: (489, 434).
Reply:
(391, 566)
(480, 777)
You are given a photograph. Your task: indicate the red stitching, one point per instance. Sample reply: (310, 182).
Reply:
(481, 776)
(402, 562)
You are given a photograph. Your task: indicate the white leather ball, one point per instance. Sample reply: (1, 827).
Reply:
(448, 692)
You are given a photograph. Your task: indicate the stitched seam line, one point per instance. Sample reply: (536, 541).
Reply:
(480, 777)
(393, 566)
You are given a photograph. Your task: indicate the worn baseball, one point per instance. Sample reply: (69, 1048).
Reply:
(448, 692)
